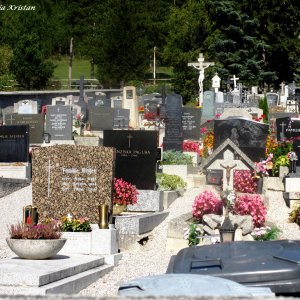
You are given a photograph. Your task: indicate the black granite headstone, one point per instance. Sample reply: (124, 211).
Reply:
(151, 107)
(14, 143)
(249, 136)
(121, 118)
(136, 153)
(191, 118)
(35, 122)
(101, 118)
(59, 122)
(173, 132)
(288, 128)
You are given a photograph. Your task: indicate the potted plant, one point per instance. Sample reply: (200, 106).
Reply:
(124, 194)
(39, 241)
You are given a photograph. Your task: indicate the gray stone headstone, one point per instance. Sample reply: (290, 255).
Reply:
(191, 123)
(101, 118)
(121, 118)
(35, 122)
(59, 122)
(272, 99)
(208, 109)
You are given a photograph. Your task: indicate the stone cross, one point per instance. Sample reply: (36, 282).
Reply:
(282, 85)
(235, 79)
(11, 119)
(228, 165)
(81, 83)
(201, 66)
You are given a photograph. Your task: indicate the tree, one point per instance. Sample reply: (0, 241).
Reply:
(28, 64)
(188, 27)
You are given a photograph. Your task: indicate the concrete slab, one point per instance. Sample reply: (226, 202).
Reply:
(17, 271)
(138, 223)
(60, 275)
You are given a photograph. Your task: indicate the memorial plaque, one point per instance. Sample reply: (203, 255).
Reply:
(136, 153)
(288, 128)
(208, 110)
(249, 136)
(14, 143)
(59, 122)
(173, 132)
(35, 122)
(191, 123)
(101, 118)
(72, 179)
(121, 118)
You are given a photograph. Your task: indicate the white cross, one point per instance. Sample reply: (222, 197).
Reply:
(282, 129)
(201, 66)
(235, 79)
(282, 85)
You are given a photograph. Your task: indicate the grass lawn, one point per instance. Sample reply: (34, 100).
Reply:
(80, 67)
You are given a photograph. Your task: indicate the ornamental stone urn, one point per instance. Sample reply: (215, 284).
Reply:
(35, 249)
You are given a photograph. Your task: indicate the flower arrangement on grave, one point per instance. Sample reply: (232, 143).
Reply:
(263, 167)
(265, 233)
(243, 182)
(281, 161)
(193, 234)
(169, 182)
(78, 120)
(252, 205)
(208, 142)
(245, 204)
(150, 116)
(70, 224)
(124, 193)
(190, 146)
(206, 203)
(141, 109)
(41, 231)
(292, 156)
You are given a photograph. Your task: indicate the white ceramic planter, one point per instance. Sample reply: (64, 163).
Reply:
(35, 249)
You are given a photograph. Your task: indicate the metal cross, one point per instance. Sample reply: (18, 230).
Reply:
(129, 138)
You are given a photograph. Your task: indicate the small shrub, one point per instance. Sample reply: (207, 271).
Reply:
(176, 158)
(294, 214)
(265, 233)
(47, 231)
(168, 182)
(206, 203)
(253, 205)
(193, 234)
(243, 182)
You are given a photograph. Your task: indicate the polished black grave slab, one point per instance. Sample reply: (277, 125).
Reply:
(273, 264)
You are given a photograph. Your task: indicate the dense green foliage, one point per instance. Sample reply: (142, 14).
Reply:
(258, 41)
(168, 182)
(171, 157)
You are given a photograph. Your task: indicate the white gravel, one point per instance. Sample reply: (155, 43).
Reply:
(149, 259)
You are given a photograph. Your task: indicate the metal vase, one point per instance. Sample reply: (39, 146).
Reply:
(103, 216)
(30, 215)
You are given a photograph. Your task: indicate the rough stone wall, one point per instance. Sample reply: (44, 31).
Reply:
(72, 179)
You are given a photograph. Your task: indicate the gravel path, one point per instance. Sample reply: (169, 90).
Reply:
(151, 258)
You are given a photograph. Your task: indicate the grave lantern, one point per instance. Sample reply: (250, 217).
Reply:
(227, 231)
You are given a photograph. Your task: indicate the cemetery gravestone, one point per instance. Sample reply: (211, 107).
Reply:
(35, 122)
(173, 132)
(26, 107)
(208, 110)
(248, 135)
(235, 112)
(121, 118)
(14, 143)
(72, 179)
(288, 128)
(101, 118)
(272, 99)
(130, 102)
(136, 153)
(59, 122)
(191, 123)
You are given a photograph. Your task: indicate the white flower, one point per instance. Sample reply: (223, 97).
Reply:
(69, 217)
